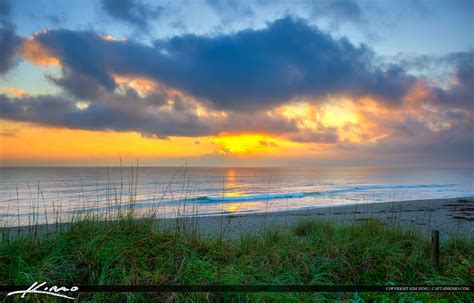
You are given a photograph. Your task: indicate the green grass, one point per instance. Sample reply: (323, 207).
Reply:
(131, 251)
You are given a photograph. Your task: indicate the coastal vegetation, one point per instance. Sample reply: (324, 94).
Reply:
(130, 251)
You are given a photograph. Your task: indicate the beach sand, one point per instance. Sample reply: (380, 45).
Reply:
(449, 216)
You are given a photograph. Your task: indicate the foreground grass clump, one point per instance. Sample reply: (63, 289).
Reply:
(134, 252)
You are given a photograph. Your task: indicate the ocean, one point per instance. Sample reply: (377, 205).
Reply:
(38, 195)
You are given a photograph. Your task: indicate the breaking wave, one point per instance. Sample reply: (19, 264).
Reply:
(271, 196)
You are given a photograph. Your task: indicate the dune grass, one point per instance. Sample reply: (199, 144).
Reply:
(130, 251)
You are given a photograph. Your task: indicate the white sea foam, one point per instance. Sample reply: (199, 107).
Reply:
(272, 196)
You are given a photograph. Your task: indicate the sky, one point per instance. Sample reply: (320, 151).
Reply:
(237, 83)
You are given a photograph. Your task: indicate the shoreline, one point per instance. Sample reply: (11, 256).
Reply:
(451, 216)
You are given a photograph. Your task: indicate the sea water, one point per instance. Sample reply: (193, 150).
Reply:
(52, 193)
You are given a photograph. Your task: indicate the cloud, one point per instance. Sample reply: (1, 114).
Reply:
(422, 129)
(4, 8)
(9, 45)
(453, 146)
(119, 116)
(336, 12)
(248, 70)
(78, 85)
(162, 113)
(327, 135)
(339, 10)
(231, 10)
(193, 85)
(133, 12)
(459, 93)
(14, 92)
(9, 41)
(37, 53)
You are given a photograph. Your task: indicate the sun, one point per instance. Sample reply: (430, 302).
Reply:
(248, 144)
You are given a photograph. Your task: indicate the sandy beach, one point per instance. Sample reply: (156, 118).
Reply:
(449, 216)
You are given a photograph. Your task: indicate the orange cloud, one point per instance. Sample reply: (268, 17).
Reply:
(111, 38)
(141, 85)
(14, 92)
(36, 53)
(336, 114)
(202, 111)
(306, 115)
(417, 93)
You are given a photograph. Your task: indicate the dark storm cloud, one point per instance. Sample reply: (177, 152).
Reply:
(248, 70)
(133, 12)
(9, 41)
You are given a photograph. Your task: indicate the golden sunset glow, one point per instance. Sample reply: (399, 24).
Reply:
(342, 115)
(31, 141)
(231, 207)
(306, 115)
(249, 144)
(335, 113)
(232, 189)
(74, 93)
(231, 186)
(309, 147)
(339, 113)
(26, 141)
(242, 206)
(352, 122)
